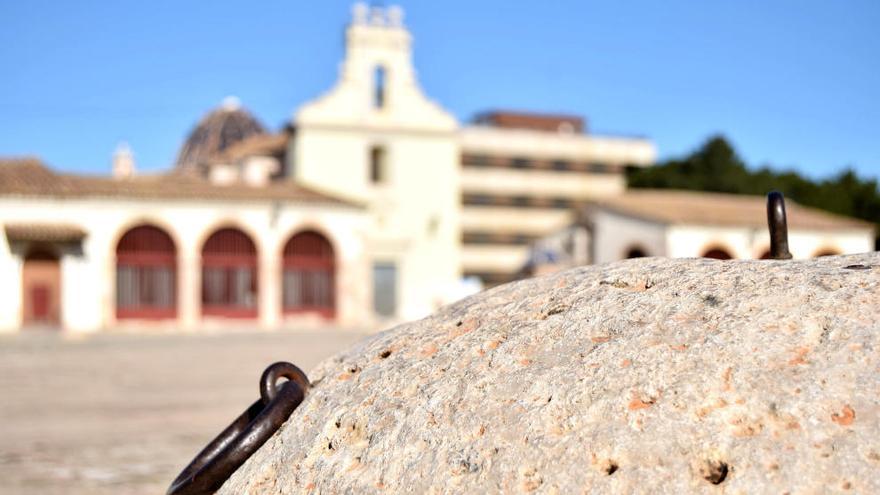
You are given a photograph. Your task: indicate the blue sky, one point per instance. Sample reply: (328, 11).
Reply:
(795, 84)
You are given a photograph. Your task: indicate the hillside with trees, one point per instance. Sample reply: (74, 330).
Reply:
(715, 166)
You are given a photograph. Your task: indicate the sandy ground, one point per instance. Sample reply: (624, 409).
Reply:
(122, 414)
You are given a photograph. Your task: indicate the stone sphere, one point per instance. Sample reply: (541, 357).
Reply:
(644, 376)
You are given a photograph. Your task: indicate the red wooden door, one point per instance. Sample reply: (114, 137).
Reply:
(41, 288)
(40, 304)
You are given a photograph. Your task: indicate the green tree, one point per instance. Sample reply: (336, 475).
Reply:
(716, 166)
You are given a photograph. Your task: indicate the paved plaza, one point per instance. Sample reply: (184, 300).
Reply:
(122, 413)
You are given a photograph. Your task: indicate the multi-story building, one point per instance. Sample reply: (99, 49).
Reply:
(523, 176)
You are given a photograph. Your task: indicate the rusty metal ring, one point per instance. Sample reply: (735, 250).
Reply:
(233, 446)
(269, 380)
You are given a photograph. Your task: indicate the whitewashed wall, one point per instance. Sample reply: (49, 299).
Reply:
(88, 279)
(685, 241)
(615, 234)
(553, 146)
(541, 183)
(691, 241)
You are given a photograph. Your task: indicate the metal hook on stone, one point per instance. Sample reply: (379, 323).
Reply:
(232, 447)
(778, 225)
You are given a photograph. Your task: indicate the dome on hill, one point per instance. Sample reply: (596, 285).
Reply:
(218, 130)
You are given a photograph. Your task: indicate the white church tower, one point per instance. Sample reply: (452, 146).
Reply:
(377, 139)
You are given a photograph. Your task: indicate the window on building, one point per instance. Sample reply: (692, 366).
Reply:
(229, 275)
(521, 163)
(309, 275)
(385, 288)
(433, 225)
(636, 252)
(826, 252)
(598, 168)
(378, 165)
(561, 165)
(520, 201)
(718, 254)
(562, 203)
(476, 160)
(146, 274)
(478, 199)
(477, 238)
(379, 87)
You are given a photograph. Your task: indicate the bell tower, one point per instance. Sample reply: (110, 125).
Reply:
(377, 83)
(379, 56)
(377, 139)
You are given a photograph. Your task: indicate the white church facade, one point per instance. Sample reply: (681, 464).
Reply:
(374, 204)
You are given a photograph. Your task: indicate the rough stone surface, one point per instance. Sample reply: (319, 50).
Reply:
(645, 376)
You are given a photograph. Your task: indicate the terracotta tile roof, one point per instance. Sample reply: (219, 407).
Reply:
(703, 208)
(260, 145)
(44, 232)
(26, 175)
(30, 177)
(528, 120)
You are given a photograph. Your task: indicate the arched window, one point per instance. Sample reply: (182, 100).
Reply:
(229, 275)
(635, 252)
(718, 254)
(309, 280)
(826, 252)
(146, 274)
(379, 87)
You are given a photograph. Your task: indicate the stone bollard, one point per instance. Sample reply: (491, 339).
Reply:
(644, 376)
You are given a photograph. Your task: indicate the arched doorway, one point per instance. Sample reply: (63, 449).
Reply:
(717, 253)
(41, 288)
(635, 252)
(146, 274)
(826, 252)
(309, 275)
(229, 275)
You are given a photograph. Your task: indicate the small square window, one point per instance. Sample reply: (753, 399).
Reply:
(562, 203)
(478, 199)
(476, 160)
(521, 163)
(520, 201)
(598, 168)
(561, 165)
